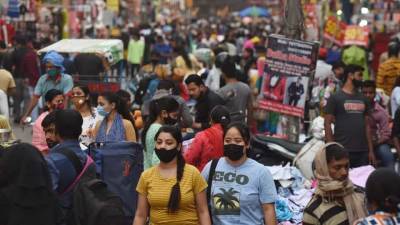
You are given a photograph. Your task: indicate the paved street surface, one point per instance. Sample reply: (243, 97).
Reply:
(25, 135)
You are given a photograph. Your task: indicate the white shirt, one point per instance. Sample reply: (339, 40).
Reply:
(89, 122)
(4, 104)
(395, 100)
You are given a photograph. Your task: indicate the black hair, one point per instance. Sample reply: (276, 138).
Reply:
(68, 124)
(220, 114)
(242, 128)
(228, 67)
(124, 95)
(120, 106)
(168, 85)
(397, 82)
(369, 84)
(194, 78)
(175, 196)
(351, 68)
(338, 64)
(51, 94)
(383, 189)
(335, 152)
(86, 91)
(21, 39)
(49, 119)
(393, 49)
(168, 104)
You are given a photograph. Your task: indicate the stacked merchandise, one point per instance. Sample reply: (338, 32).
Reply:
(295, 191)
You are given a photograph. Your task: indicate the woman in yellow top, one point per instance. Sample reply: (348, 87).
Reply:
(172, 192)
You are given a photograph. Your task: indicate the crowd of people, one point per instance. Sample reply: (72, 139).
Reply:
(213, 181)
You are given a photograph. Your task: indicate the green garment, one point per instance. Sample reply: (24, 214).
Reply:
(135, 51)
(357, 56)
(150, 158)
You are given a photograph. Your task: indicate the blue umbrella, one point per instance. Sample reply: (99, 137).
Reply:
(255, 11)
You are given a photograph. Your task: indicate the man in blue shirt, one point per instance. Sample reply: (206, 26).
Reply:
(53, 79)
(68, 127)
(163, 49)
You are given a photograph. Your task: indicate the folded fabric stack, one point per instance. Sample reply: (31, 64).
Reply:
(294, 193)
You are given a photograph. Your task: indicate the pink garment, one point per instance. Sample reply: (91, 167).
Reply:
(248, 44)
(360, 175)
(38, 135)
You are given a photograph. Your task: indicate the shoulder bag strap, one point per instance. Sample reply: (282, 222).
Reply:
(213, 166)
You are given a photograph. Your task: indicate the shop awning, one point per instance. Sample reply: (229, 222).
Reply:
(111, 49)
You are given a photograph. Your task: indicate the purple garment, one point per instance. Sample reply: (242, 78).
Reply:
(379, 124)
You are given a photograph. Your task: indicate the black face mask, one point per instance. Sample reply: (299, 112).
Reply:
(357, 83)
(170, 121)
(165, 155)
(233, 152)
(51, 144)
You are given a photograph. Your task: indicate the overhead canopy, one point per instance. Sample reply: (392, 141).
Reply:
(111, 49)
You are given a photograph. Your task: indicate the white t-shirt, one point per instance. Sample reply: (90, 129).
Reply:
(4, 104)
(89, 122)
(395, 100)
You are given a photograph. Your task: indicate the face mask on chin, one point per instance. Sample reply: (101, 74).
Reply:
(51, 144)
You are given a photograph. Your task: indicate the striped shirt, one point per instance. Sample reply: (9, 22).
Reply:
(321, 212)
(379, 218)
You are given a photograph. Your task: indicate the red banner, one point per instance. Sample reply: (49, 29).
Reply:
(280, 108)
(356, 35)
(335, 30)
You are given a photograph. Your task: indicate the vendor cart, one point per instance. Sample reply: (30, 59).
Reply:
(109, 50)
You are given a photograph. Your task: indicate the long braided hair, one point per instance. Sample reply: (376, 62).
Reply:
(175, 196)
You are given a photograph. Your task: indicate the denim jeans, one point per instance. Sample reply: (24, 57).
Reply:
(385, 155)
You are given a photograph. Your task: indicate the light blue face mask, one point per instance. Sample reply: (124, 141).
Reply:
(101, 111)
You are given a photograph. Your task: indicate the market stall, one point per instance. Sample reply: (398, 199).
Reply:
(109, 50)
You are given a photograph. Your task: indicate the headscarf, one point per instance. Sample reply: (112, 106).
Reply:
(26, 184)
(55, 58)
(331, 189)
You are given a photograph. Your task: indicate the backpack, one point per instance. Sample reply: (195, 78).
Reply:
(143, 91)
(119, 165)
(93, 203)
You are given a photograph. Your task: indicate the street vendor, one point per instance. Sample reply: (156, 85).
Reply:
(55, 78)
(336, 200)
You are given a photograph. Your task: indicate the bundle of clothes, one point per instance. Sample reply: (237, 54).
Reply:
(295, 191)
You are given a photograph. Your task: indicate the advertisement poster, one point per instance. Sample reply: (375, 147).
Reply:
(356, 35)
(335, 30)
(290, 64)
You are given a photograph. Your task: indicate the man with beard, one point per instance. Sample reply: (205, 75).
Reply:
(348, 110)
(49, 129)
(206, 101)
